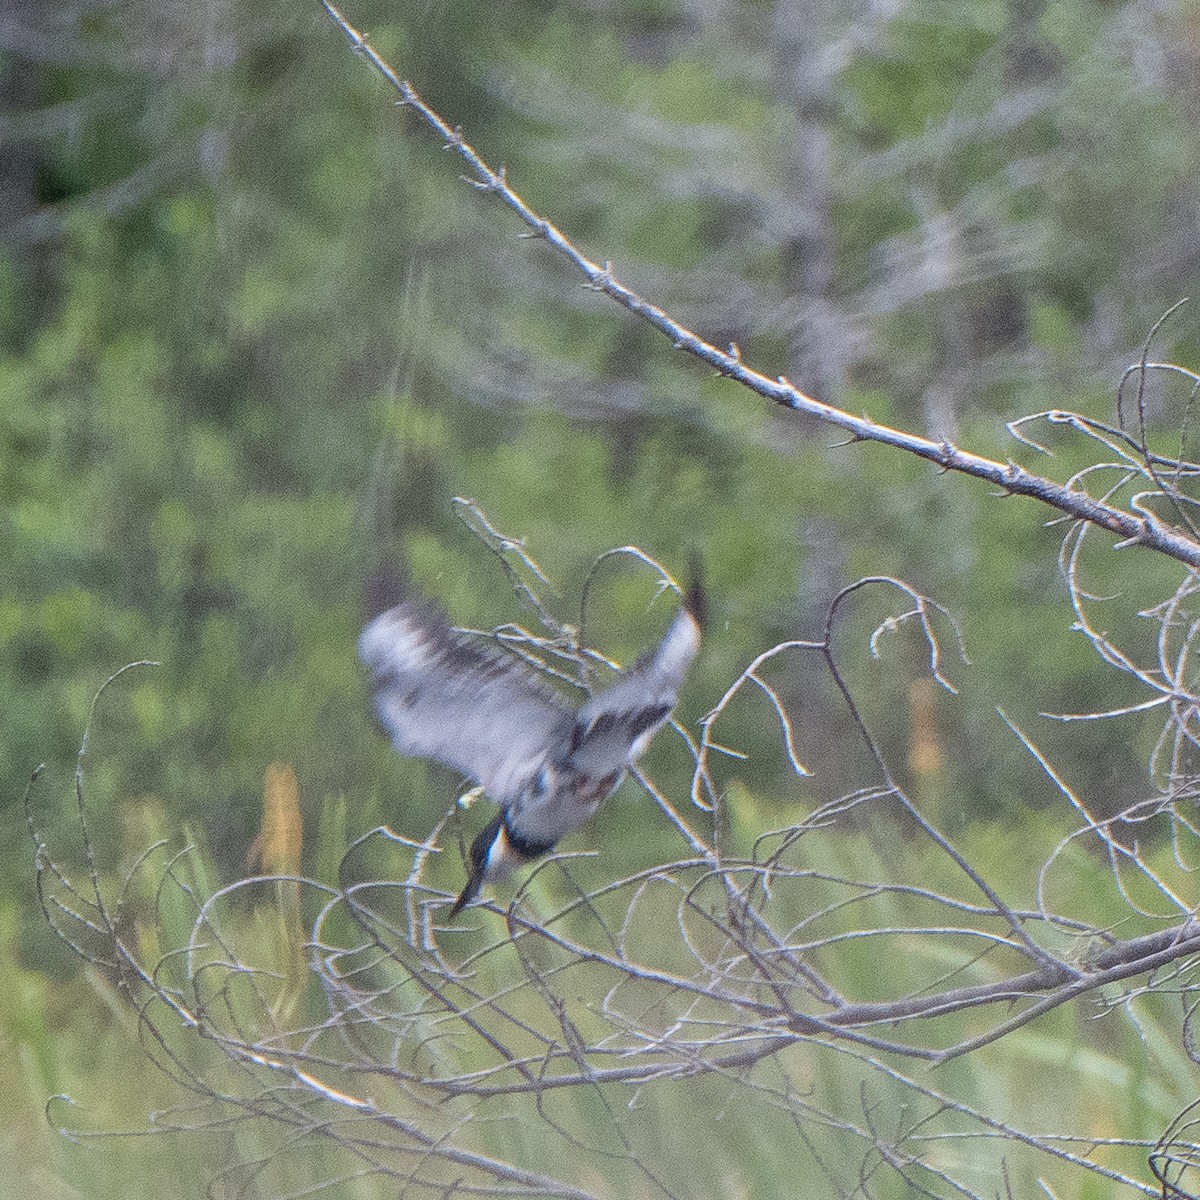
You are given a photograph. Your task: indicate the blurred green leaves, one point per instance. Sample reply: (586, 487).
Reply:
(247, 298)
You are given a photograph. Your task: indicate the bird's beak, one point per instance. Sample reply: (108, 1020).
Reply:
(469, 893)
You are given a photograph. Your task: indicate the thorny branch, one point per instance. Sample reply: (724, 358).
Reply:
(1139, 527)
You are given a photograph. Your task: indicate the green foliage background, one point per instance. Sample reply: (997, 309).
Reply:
(241, 295)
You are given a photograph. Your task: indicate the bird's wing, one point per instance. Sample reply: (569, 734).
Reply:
(613, 728)
(442, 695)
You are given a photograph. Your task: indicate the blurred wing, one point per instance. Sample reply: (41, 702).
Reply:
(613, 729)
(443, 696)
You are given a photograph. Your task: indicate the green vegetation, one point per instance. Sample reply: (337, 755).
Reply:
(255, 331)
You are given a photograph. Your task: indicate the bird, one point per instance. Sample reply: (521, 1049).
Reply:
(445, 695)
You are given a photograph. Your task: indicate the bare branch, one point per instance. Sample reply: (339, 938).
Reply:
(1142, 528)
(714, 965)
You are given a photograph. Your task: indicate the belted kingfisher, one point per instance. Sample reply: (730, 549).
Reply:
(444, 695)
